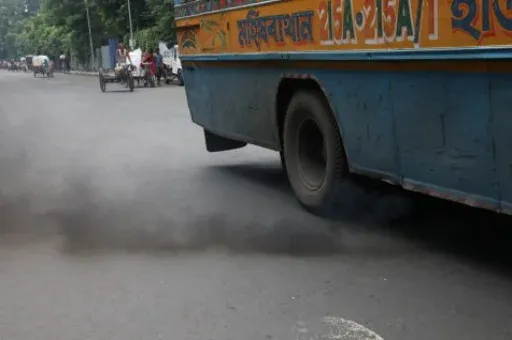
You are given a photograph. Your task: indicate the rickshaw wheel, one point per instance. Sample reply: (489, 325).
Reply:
(103, 86)
(180, 78)
(152, 81)
(131, 83)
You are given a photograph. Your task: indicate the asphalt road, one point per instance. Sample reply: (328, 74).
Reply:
(117, 224)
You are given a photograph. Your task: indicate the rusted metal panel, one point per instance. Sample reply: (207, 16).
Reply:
(435, 132)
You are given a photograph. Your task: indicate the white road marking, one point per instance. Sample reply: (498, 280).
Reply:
(335, 328)
(343, 329)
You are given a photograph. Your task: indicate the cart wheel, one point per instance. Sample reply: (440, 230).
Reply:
(103, 86)
(131, 83)
(180, 78)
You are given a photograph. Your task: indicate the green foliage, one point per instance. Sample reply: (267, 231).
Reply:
(55, 27)
(147, 38)
(163, 12)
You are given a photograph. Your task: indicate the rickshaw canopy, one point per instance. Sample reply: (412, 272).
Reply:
(39, 60)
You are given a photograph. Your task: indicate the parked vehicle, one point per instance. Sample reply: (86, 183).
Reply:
(172, 65)
(415, 93)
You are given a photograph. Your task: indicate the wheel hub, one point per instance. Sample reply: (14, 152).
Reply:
(312, 154)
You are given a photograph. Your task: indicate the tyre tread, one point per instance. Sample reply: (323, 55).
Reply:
(327, 206)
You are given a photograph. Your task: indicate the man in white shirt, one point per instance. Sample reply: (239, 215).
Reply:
(122, 56)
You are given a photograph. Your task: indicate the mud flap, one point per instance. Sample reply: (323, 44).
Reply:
(216, 143)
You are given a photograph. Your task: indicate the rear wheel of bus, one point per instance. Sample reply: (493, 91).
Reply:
(313, 152)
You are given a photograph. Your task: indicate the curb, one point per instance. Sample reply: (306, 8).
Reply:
(81, 73)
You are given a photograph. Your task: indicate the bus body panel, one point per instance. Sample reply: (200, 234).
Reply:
(244, 105)
(428, 112)
(500, 86)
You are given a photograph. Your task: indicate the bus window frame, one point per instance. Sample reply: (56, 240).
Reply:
(183, 4)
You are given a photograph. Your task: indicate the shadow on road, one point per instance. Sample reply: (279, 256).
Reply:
(479, 236)
(367, 202)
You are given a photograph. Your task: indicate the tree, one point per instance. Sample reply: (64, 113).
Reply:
(12, 12)
(53, 27)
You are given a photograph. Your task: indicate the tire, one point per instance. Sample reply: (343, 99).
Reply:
(103, 85)
(152, 82)
(180, 78)
(283, 161)
(131, 83)
(315, 159)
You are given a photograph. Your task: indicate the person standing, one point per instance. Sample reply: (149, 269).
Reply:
(149, 58)
(62, 63)
(159, 66)
(68, 62)
(45, 65)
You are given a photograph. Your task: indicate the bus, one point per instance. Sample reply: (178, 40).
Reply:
(413, 92)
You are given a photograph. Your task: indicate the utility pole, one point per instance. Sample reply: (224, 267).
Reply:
(131, 42)
(90, 33)
(2, 32)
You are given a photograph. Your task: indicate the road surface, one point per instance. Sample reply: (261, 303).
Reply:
(117, 224)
